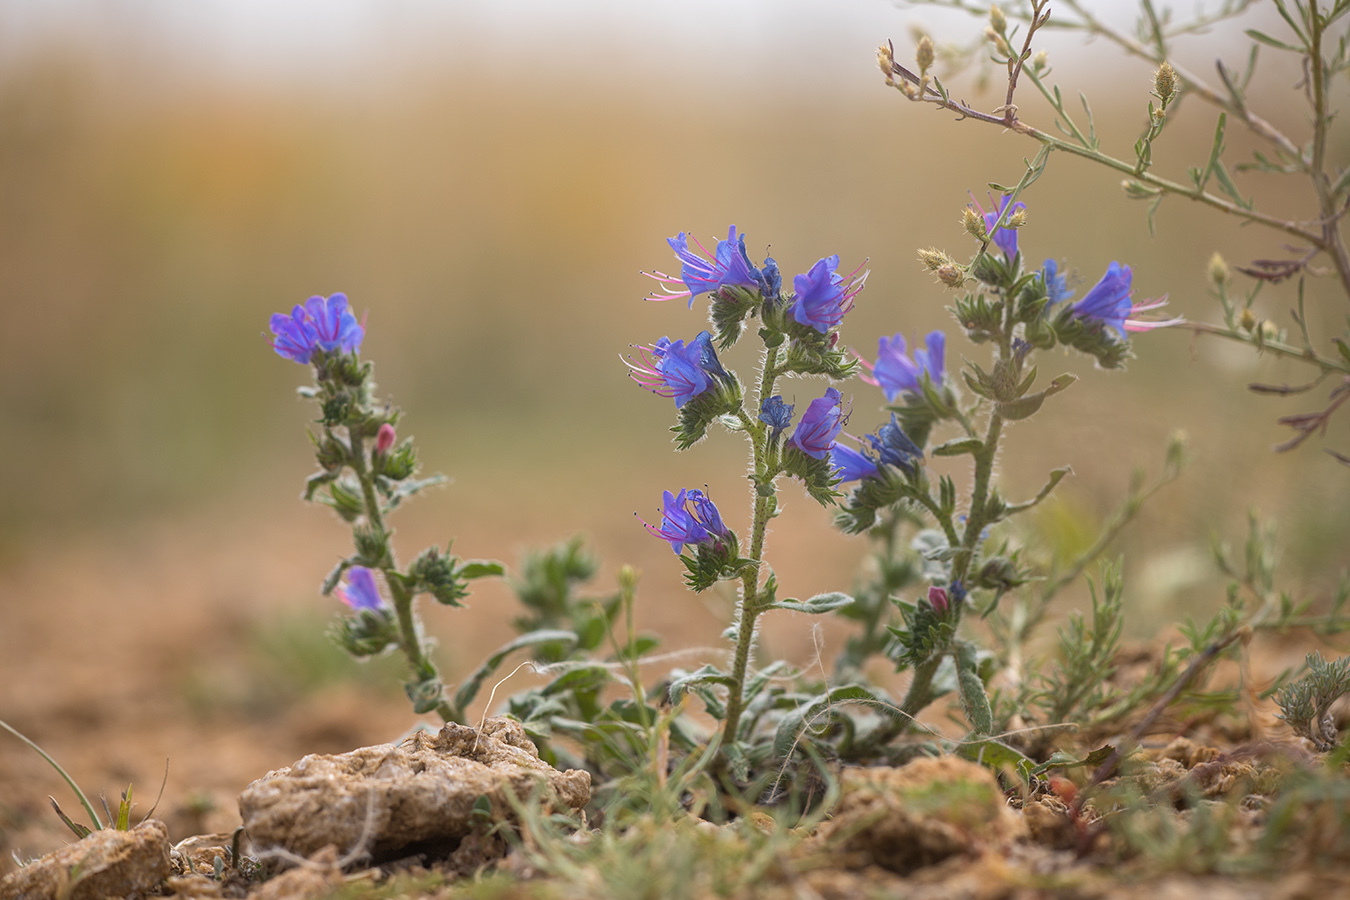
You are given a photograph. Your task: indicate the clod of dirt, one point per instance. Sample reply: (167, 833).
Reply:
(920, 814)
(106, 863)
(418, 797)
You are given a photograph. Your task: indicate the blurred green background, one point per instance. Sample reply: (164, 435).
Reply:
(487, 181)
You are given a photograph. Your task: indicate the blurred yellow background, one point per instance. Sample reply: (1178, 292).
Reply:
(487, 181)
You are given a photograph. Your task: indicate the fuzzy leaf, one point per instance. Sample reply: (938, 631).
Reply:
(481, 568)
(957, 447)
(795, 722)
(820, 603)
(469, 688)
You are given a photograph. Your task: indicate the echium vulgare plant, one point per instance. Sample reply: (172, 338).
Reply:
(1313, 190)
(365, 472)
(1013, 308)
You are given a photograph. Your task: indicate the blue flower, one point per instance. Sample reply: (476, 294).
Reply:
(705, 512)
(676, 369)
(1109, 302)
(361, 592)
(1056, 287)
(822, 296)
(850, 465)
(730, 266)
(678, 524)
(819, 425)
(893, 447)
(321, 324)
(895, 371)
(776, 414)
(1006, 238)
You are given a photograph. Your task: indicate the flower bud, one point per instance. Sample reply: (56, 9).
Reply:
(951, 276)
(385, 438)
(1165, 82)
(924, 54)
(937, 598)
(1247, 320)
(934, 259)
(1218, 270)
(974, 225)
(1270, 331)
(886, 61)
(1040, 60)
(1018, 218)
(997, 20)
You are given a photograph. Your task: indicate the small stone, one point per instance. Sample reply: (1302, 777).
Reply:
(105, 863)
(393, 801)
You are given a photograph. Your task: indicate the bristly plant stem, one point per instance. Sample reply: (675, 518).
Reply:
(410, 642)
(765, 493)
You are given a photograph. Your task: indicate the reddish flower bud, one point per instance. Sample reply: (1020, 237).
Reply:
(384, 440)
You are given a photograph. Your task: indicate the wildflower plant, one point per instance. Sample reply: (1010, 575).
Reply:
(365, 473)
(1013, 308)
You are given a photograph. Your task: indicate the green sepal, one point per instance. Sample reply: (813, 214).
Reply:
(398, 464)
(980, 318)
(991, 269)
(437, 573)
(889, 486)
(367, 633)
(1092, 337)
(713, 560)
(731, 306)
(344, 496)
(925, 634)
(817, 475)
(372, 546)
(724, 398)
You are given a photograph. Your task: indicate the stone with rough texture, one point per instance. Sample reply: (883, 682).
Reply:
(106, 863)
(920, 814)
(396, 800)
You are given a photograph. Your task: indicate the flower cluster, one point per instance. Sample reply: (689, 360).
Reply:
(322, 324)
(890, 446)
(730, 266)
(823, 296)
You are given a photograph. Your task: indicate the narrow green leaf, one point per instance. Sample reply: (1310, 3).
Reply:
(481, 568)
(994, 755)
(1028, 405)
(958, 446)
(1271, 42)
(1228, 187)
(820, 603)
(704, 676)
(469, 688)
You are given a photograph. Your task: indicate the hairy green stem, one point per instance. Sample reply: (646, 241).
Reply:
(410, 642)
(765, 505)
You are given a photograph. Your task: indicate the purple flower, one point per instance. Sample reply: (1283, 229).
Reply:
(730, 266)
(819, 425)
(823, 297)
(321, 324)
(294, 336)
(776, 414)
(895, 371)
(361, 592)
(1056, 286)
(1006, 238)
(676, 369)
(893, 447)
(678, 524)
(705, 512)
(1108, 302)
(850, 465)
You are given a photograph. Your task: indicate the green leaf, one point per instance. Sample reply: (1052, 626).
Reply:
(469, 688)
(820, 603)
(1227, 186)
(795, 722)
(1061, 760)
(481, 568)
(1270, 41)
(958, 446)
(1028, 405)
(703, 676)
(995, 754)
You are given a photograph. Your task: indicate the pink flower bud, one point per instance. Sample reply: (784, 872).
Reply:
(385, 439)
(937, 598)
